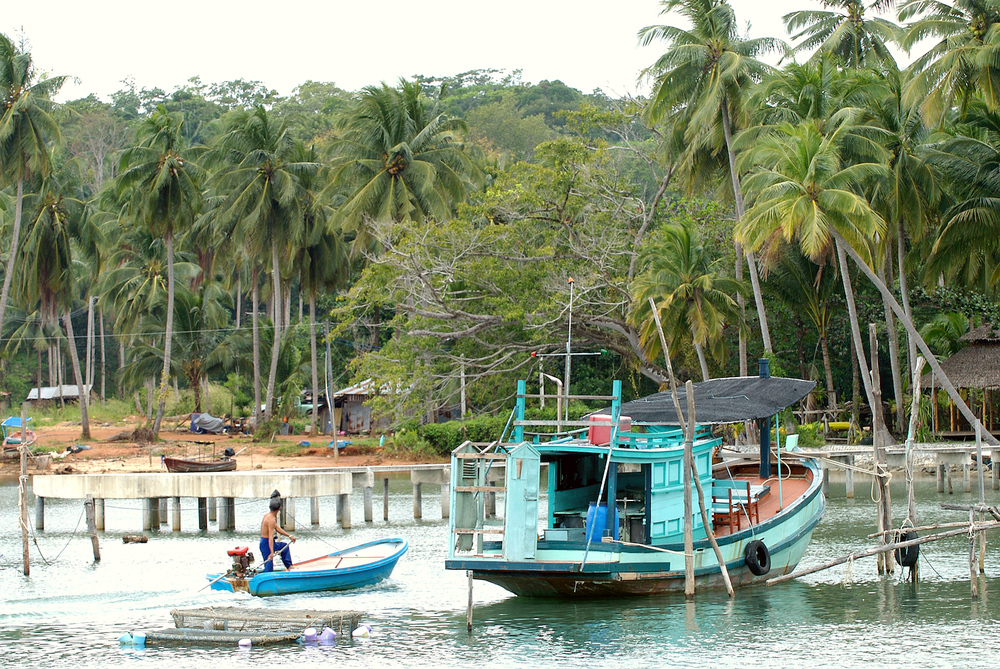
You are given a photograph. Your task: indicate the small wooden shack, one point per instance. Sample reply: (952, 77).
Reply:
(47, 395)
(975, 367)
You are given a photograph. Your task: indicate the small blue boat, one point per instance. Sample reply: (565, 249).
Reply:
(342, 570)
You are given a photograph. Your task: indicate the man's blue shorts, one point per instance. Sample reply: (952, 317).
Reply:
(284, 555)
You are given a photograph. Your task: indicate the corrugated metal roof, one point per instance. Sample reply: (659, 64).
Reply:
(52, 392)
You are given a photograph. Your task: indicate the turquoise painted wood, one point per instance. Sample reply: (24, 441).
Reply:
(521, 517)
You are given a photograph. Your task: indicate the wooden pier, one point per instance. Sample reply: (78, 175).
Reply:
(216, 492)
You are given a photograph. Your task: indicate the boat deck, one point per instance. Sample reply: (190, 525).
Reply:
(765, 500)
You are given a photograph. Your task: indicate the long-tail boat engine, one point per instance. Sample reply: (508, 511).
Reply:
(242, 559)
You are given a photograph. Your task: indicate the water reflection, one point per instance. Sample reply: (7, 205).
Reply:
(72, 612)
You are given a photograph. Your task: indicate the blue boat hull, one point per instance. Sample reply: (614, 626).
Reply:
(295, 581)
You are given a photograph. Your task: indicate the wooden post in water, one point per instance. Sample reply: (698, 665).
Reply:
(973, 576)
(22, 500)
(92, 527)
(911, 500)
(982, 496)
(468, 613)
(99, 510)
(417, 503)
(385, 499)
(885, 564)
(940, 477)
(688, 507)
(314, 511)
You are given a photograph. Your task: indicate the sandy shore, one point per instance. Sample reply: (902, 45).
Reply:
(114, 455)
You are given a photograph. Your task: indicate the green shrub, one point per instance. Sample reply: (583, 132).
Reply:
(810, 435)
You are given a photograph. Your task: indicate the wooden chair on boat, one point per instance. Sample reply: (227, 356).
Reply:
(741, 505)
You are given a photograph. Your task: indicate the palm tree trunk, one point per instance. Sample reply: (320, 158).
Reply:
(312, 352)
(239, 300)
(754, 279)
(83, 396)
(90, 341)
(904, 294)
(831, 394)
(255, 297)
(946, 384)
(9, 275)
(701, 360)
(276, 345)
(104, 361)
(890, 326)
(856, 337)
(167, 335)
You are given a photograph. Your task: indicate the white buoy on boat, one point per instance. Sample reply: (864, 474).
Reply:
(327, 637)
(245, 643)
(362, 631)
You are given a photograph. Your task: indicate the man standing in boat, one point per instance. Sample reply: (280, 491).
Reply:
(270, 548)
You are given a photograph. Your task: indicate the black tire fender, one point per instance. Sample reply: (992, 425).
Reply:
(758, 558)
(907, 555)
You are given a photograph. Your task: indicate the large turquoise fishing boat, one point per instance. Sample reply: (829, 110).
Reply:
(614, 523)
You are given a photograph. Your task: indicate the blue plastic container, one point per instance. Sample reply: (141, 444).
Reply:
(597, 522)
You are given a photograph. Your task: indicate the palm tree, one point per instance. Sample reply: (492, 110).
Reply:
(323, 263)
(59, 225)
(702, 78)
(25, 130)
(199, 345)
(807, 289)
(398, 159)
(692, 295)
(858, 41)
(161, 187)
(962, 64)
(260, 180)
(803, 190)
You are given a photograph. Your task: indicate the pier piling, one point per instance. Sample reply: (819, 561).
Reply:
(202, 514)
(314, 511)
(175, 518)
(418, 511)
(92, 527)
(385, 499)
(39, 512)
(99, 513)
(849, 477)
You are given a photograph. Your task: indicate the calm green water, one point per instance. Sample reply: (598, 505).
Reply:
(71, 613)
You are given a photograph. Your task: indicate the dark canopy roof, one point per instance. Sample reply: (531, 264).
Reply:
(729, 400)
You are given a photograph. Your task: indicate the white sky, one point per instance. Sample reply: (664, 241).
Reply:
(587, 44)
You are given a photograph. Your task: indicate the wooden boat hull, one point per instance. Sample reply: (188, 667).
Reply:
(614, 569)
(610, 579)
(346, 571)
(180, 465)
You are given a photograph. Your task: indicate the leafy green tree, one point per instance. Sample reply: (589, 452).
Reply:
(962, 64)
(161, 187)
(692, 294)
(260, 181)
(26, 128)
(58, 226)
(500, 126)
(802, 190)
(398, 159)
(702, 78)
(856, 39)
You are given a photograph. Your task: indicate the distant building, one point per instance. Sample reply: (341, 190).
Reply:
(49, 394)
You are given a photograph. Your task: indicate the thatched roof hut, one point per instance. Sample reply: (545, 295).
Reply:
(975, 366)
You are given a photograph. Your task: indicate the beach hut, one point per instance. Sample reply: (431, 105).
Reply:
(975, 367)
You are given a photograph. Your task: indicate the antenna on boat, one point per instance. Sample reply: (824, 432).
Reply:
(569, 356)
